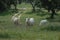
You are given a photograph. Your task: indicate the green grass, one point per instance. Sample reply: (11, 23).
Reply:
(8, 31)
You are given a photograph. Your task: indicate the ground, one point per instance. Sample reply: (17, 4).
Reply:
(9, 31)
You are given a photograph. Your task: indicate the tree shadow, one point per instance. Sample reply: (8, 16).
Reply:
(38, 13)
(29, 12)
(4, 35)
(56, 19)
(42, 13)
(51, 28)
(8, 12)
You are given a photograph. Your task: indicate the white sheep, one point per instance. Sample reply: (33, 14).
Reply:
(43, 22)
(16, 19)
(29, 21)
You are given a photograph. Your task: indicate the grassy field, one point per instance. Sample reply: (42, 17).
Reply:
(8, 31)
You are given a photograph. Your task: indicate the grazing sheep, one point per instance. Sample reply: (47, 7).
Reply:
(30, 21)
(43, 22)
(16, 19)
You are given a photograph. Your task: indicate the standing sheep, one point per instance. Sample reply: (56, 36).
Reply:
(16, 19)
(29, 21)
(43, 22)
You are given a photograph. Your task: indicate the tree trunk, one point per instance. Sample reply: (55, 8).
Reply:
(48, 10)
(53, 13)
(15, 7)
(33, 8)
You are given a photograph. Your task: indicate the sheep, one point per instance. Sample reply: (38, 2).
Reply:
(16, 19)
(29, 21)
(43, 22)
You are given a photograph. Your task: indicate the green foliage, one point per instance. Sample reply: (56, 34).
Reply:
(8, 31)
(5, 4)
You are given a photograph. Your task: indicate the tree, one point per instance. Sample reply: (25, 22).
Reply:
(5, 4)
(20, 1)
(32, 2)
(50, 5)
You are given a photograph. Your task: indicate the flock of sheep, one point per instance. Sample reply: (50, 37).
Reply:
(29, 21)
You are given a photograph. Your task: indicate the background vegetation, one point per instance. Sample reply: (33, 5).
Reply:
(8, 31)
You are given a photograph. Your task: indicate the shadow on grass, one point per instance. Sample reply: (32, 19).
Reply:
(51, 28)
(29, 12)
(42, 13)
(5, 13)
(8, 12)
(4, 35)
(38, 13)
(53, 20)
